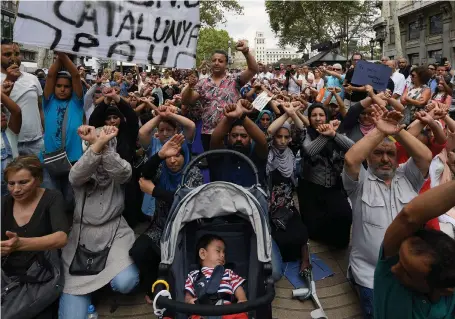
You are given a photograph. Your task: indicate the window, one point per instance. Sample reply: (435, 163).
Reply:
(436, 24)
(392, 36)
(413, 31)
(436, 55)
(414, 59)
(7, 27)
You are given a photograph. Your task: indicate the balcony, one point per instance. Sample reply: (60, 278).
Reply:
(379, 23)
(407, 7)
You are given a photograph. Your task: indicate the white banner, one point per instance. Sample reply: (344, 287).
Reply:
(153, 32)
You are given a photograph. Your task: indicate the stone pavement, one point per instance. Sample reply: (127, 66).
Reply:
(335, 293)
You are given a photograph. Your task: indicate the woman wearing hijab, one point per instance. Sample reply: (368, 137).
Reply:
(289, 234)
(263, 120)
(323, 204)
(97, 180)
(116, 111)
(172, 158)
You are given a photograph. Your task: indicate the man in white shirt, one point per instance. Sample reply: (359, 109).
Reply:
(27, 93)
(307, 76)
(398, 79)
(203, 74)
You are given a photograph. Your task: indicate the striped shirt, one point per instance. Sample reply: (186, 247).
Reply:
(319, 169)
(229, 283)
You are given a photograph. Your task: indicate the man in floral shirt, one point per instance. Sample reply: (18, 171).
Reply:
(218, 90)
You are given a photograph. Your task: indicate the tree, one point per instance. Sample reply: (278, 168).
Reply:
(211, 39)
(212, 12)
(305, 23)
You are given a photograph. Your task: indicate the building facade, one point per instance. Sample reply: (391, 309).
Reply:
(427, 30)
(269, 56)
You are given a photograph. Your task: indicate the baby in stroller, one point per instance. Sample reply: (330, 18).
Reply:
(213, 284)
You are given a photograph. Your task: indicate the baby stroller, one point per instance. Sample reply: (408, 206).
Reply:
(240, 217)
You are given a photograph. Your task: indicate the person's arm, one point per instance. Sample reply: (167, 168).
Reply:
(303, 118)
(255, 133)
(277, 124)
(424, 119)
(395, 103)
(146, 131)
(220, 131)
(240, 294)
(189, 128)
(340, 103)
(422, 101)
(252, 66)
(189, 94)
(314, 147)
(327, 100)
(75, 76)
(249, 95)
(98, 115)
(85, 167)
(376, 99)
(53, 241)
(118, 169)
(450, 123)
(15, 120)
(429, 205)
(404, 96)
(150, 167)
(415, 149)
(88, 98)
(335, 74)
(131, 118)
(40, 110)
(51, 79)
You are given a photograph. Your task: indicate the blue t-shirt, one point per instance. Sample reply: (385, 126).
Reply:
(54, 112)
(333, 81)
(392, 300)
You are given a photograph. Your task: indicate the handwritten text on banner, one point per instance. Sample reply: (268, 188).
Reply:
(376, 75)
(156, 32)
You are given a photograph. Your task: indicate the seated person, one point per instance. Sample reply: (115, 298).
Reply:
(244, 136)
(210, 250)
(415, 273)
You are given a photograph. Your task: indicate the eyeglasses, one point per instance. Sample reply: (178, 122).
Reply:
(336, 69)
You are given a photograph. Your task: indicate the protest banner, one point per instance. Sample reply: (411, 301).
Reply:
(161, 33)
(261, 101)
(376, 75)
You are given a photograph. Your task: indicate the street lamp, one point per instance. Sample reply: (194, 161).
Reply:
(372, 48)
(229, 52)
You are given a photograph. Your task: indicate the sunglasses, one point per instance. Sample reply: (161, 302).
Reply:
(336, 69)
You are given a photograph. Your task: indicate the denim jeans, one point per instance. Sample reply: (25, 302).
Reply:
(277, 262)
(76, 306)
(366, 301)
(31, 148)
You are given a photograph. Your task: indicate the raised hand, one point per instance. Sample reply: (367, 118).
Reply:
(388, 122)
(233, 111)
(335, 124)
(172, 147)
(423, 117)
(7, 87)
(192, 80)
(109, 92)
(107, 133)
(369, 89)
(242, 47)
(246, 105)
(326, 130)
(87, 133)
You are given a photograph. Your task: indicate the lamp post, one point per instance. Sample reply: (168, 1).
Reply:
(229, 52)
(372, 48)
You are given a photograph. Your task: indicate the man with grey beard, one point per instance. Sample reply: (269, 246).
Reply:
(379, 193)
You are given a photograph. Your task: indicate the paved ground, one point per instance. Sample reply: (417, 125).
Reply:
(336, 294)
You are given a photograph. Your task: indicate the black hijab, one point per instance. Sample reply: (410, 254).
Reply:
(328, 149)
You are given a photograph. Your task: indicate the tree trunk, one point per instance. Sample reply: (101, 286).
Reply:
(44, 60)
(396, 28)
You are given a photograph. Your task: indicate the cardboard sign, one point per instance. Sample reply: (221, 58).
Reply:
(161, 33)
(376, 75)
(261, 101)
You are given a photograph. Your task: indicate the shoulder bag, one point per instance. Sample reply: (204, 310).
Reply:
(86, 262)
(57, 162)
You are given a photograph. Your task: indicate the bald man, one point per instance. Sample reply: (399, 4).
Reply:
(398, 79)
(385, 59)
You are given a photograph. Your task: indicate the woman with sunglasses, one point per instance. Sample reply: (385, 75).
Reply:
(417, 95)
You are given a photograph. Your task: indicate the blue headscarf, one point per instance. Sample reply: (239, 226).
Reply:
(170, 180)
(261, 114)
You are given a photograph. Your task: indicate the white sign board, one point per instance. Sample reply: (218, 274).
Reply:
(153, 32)
(261, 101)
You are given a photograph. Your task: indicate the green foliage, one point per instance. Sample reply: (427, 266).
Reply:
(210, 40)
(212, 12)
(303, 23)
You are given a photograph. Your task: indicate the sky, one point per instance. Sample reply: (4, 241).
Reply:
(254, 18)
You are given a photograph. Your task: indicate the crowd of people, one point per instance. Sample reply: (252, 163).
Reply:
(83, 162)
